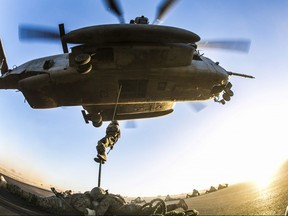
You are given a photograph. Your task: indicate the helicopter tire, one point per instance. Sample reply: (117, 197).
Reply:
(84, 69)
(222, 102)
(226, 97)
(229, 92)
(228, 86)
(97, 124)
(97, 120)
(82, 59)
(96, 117)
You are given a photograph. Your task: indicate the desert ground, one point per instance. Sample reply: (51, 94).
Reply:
(238, 199)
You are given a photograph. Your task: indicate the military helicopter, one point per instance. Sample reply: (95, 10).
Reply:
(140, 69)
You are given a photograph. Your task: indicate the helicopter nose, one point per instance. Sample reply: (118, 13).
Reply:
(221, 74)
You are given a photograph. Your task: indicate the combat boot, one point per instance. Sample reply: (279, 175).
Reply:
(98, 160)
(102, 156)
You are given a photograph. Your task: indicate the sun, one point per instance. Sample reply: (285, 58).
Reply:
(263, 183)
(265, 176)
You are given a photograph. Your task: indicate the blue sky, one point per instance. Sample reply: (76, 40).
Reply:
(166, 155)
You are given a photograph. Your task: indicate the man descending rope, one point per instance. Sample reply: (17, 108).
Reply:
(112, 136)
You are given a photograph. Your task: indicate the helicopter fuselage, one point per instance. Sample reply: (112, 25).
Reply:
(53, 81)
(149, 77)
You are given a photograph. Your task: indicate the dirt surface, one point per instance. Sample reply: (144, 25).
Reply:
(240, 199)
(246, 199)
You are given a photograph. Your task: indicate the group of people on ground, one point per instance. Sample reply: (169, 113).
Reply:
(96, 202)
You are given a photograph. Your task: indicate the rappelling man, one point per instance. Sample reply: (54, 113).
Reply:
(112, 136)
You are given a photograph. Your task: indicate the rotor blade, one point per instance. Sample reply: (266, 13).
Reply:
(197, 106)
(163, 8)
(62, 34)
(114, 7)
(38, 33)
(241, 45)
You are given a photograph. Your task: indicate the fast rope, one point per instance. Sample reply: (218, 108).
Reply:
(115, 109)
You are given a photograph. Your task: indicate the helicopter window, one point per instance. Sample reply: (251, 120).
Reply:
(104, 55)
(133, 88)
(48, 64)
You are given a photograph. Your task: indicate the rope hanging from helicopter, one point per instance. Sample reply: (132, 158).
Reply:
(115, 109)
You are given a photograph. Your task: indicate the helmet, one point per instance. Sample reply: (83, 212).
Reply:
(97, 193)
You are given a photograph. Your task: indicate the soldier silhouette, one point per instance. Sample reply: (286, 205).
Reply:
(112, 136)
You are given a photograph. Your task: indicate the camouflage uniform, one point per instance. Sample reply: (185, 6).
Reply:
(96, 202)
(112, 136)
(110, 204)
(74, 204)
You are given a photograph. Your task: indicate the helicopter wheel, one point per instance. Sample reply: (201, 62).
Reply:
(228, 86)
(226, 97)
(222, 102)
(229, 92)
(97, 124)
(97, 120)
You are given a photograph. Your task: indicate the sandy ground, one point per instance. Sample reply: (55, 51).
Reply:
(246, 199)
(240, 199)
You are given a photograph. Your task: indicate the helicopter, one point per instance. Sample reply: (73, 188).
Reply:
(122, 71)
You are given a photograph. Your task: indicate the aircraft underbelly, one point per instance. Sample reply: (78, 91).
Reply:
(91, 91)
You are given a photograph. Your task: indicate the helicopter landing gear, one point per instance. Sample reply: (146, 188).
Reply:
(226, 96)
(227, 93)
(97, 124)
(83, 62)
(96, 119)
